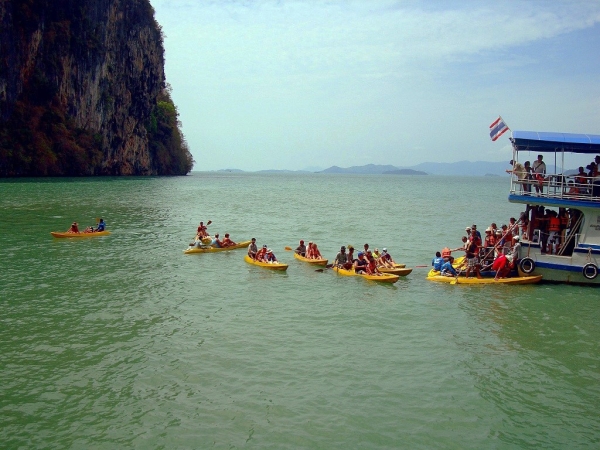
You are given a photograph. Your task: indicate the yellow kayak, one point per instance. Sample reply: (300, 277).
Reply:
(315, 262)
(272, 266)
(400, 271)
(64, 234)
(195, 249)
(487, 280)
(383, 277)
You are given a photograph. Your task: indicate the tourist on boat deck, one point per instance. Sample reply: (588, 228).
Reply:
(475, 232)
(465, 241)
(261, 254)
(270, 256)
(252, 249)
(341, 259)
(539, 171)
(360, 265)
(528, 176)
(519, 171)
(446, 268)
(437, 261)
(301, 249)
(74, 228)
(227, 242)
(515, 250)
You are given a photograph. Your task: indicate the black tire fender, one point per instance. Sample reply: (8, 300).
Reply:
(590, 271)
(527, 265)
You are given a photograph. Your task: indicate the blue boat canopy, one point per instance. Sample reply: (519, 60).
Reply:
(555, 142)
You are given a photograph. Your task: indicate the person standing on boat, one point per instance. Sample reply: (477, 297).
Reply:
(341, 258)
(519, 171)
(301, 249)
(539, 172)
(252, 249)
(528, 176)
(471, 253)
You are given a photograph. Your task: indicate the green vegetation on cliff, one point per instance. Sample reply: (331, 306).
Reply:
(82, 91)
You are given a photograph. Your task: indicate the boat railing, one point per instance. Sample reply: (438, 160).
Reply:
(558, 186)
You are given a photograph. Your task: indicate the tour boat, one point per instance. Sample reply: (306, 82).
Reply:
(575, 258)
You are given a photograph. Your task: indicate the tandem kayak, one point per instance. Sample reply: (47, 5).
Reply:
(382, 278)
(207, 249)
(487, 280)
(272, 266)
(64, 234)
(315, 262)
(400, 271)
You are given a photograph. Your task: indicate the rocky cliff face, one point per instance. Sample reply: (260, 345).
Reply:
(82, 90)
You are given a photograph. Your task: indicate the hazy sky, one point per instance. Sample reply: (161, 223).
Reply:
(306, 84)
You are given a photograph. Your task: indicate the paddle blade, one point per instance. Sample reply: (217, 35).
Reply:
(319, 270)
(454, 281)
(209, 222)
(288, 248)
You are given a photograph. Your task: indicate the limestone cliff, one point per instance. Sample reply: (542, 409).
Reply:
(82, 91)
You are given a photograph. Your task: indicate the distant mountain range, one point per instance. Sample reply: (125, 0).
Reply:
(461, 168)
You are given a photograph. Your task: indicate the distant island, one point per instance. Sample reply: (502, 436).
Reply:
(404, 172)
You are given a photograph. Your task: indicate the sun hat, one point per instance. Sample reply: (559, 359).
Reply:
(468, 229)
(269, 250)
(384, 249)
(488, 230)
(516, 238)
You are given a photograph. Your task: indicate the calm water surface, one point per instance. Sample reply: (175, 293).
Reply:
(124, 341)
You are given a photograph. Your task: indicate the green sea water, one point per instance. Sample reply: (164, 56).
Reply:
(125, 342)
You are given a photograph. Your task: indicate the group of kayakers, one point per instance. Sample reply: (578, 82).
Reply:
(367, 261)
(310, 252)
(100, 226)
(203, 239)
(265, 254)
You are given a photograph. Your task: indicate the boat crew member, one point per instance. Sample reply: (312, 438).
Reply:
(301, 249)
(437, 261)
(446, 268)
(252, 249)
(539, 171)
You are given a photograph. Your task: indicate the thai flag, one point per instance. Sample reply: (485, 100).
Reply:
(498, 128)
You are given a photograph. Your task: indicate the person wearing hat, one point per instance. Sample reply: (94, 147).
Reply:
(376, 254)
(386, 259)
(262, 253)
(252, 249)
(270, 257)
(341, 259)
(301, 249)
(360, 265)
(513, 256)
